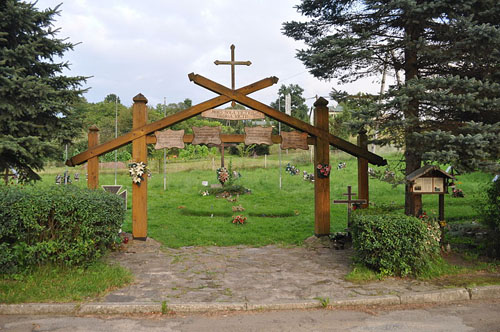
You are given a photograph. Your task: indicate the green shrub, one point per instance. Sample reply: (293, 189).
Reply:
(490, 212)
(63, 225)
(393, 244)
(490, 216)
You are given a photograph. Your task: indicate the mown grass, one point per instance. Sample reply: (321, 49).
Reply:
(181, 216)
(63, 284)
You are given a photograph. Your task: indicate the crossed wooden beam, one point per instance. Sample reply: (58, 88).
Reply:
(226, 95)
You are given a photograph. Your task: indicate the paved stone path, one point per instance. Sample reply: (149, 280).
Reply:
(270, 274)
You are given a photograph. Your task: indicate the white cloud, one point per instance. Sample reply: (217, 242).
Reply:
(151, 46)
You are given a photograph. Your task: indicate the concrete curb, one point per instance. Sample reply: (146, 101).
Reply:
(441, 296)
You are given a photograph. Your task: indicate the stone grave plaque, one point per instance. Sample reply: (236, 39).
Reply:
(294, 140)
(206, 135)
(233, 114)
(258, 135)
(114, 189)
(169, 139)
(123, 195)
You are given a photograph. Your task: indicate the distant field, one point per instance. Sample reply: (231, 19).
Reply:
(181, 216)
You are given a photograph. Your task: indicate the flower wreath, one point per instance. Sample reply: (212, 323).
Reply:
(137, 171)
(323, 170)
(239, 220)
(222, 175)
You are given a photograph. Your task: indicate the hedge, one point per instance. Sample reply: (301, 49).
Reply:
(64, 225)
(394, 244)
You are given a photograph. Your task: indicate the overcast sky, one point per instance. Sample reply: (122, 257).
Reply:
(150, 46)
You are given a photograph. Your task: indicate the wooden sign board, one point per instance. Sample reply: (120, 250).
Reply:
(169, 139)
(232, 114)
(294, 140)
(206, 135)
(428, 185)
(258, 135)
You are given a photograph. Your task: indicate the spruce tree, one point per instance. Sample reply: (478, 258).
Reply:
(446, 106)
(35, 97)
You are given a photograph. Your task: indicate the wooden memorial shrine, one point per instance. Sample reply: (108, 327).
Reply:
(144, 133)
(427, 180)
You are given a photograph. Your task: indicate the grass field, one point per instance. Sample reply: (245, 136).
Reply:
(181, 216)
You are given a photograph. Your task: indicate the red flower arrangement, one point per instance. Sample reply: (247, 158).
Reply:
(222, 175)
(323, 170)
(239, 220)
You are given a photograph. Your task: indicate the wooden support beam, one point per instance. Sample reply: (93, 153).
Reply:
(165, 122)
(363, 189)
(441, 207)
(93, 163)
(321, 185)
(291, 121)
(140, 154)
(232, 138)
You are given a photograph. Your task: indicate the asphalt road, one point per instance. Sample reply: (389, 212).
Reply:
(471, 316)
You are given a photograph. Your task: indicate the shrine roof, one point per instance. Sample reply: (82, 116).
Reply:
(423, 171)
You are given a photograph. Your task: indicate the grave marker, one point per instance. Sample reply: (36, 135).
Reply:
(349, 201)
(115, 189)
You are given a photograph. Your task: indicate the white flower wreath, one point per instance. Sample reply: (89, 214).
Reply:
(137, 170)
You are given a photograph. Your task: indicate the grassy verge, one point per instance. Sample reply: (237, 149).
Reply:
(442, 273)
(58, 284)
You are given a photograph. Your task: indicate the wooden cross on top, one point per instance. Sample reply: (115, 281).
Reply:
(349, 201)
(232, 63)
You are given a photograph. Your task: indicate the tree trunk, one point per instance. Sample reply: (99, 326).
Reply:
(413, 157)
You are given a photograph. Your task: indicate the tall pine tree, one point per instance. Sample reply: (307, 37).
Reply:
(35, 98)
(446, 107)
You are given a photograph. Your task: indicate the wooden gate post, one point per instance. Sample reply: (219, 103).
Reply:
(363, 192)
(93, 163)
(321, 185)
(140, 153)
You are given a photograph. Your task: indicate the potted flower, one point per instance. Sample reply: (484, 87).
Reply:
(323, 170)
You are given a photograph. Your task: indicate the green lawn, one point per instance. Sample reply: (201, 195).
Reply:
(62, 284)
(181, 216)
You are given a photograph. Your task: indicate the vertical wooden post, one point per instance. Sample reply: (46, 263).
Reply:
(321, 185)
(441, 207)
(93, 163)
(363, 192)
(140, 153)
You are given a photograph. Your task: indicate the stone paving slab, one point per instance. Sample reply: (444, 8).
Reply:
(240, 274)
(204, 279)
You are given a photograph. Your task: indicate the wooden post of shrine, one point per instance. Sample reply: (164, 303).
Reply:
(93, 163)
(140, 153)
(363, 192)
(321, 185)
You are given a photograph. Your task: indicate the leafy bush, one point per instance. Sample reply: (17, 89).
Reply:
(63, 225)
(394, 244)
(490, 216)
(196, 152)
(491, 210)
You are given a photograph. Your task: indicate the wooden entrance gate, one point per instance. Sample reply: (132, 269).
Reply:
(140, 136)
